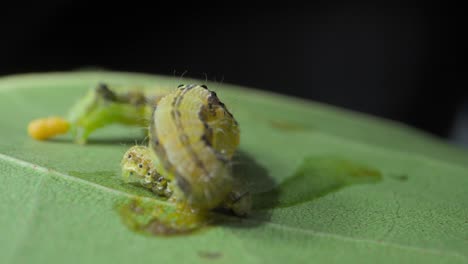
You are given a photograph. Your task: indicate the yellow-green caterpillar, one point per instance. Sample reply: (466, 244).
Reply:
(194, 137)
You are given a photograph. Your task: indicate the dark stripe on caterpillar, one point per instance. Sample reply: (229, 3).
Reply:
(157, 146)
(183, 136)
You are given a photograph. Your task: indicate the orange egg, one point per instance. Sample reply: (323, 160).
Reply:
(44, 128)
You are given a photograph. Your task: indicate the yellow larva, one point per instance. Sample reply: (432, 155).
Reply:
(194, 137)
(45, 128)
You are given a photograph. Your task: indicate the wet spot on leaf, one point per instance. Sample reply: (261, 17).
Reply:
(287, 126)
(316, 177)
(209, 255)
(156, 219)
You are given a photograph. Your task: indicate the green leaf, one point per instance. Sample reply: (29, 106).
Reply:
(330, 186)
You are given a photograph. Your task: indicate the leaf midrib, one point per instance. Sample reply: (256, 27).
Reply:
(420, 250)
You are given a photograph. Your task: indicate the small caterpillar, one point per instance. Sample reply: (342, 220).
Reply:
(100, 107)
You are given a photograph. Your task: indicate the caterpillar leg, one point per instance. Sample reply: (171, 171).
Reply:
(239, 202)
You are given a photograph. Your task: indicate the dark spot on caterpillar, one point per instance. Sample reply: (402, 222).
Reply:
(213, 100)
(179, 100)
(209, 133)
(180, 85)
(156, 142)
(152, 117)
(183, 184)
(174, 100)
(103, 86)
(158, 147)
(160, 179)
(236, 197)
(225, 108)
(140, 165)
(227, 111)
(161, 153)
(200, 164)
(205, 139)
(184, 138)
(104, 91)
(221, 157)
(129, 156)
(204, 86)
(136, 98)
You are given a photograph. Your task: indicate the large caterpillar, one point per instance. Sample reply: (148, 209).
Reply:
(195, 136)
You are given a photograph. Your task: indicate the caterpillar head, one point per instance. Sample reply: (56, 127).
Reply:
(138, 168)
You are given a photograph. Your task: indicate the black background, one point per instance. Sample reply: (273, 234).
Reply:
(398, 62)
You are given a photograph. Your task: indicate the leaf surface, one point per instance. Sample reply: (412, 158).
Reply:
(330, 185)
